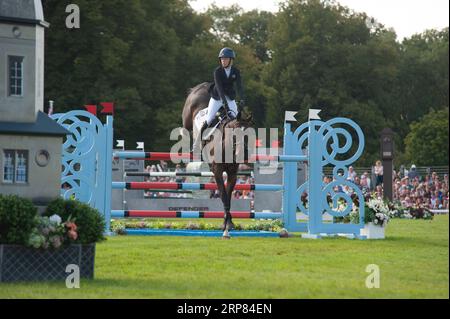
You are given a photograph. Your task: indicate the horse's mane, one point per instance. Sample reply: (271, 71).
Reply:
(244, 121)
(198, 87)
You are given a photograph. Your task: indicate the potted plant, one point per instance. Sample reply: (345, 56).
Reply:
(39, 248)
(376, 217)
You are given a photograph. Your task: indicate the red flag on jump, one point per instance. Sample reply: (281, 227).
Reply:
(91, 109)
(108, 108)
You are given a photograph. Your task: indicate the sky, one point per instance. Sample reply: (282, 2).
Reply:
(407, 17)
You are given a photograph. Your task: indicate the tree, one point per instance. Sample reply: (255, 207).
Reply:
(127, 51)
(145, 54)
(326, 56)
(427, 143)
(252, 30)
(423, 77)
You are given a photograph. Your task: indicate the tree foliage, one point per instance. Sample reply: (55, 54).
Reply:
(427, 143)
(145, 54)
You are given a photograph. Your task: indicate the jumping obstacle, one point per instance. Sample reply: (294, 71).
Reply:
(151, 156)
(190, 214)
(157, 156)
(193, 186)
(172, 191)
(315, 142)
(178, 174)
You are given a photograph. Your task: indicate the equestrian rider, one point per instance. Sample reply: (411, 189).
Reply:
(222, 92)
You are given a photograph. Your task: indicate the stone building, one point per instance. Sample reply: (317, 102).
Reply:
(30, 142)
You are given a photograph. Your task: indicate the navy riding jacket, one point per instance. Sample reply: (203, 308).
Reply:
(223, 85)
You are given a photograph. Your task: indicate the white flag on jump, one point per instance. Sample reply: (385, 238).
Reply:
(140, 145)
(314, 114)
(120, 143)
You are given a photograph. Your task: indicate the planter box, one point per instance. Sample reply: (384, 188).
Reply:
(372, 231)
(20, 263)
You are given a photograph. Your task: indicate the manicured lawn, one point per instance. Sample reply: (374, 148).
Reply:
(413, 261)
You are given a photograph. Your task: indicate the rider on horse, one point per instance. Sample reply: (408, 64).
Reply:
(196, 117)
(222, 91)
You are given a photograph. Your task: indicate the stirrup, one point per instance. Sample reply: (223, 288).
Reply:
(231, 114)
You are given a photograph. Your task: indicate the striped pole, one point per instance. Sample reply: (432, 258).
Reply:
(193, 186)
(191, 214)
(151, 156)
(174, 191)
(176, 174)
(279, 158)
(158, 156)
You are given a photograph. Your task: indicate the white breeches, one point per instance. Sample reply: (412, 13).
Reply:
(214, 106)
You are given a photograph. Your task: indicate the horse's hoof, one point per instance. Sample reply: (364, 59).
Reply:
(284, 233)
(226, 237)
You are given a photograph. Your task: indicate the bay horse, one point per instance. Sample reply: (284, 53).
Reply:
(198, 99)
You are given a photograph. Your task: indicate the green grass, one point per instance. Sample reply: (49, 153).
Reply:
(413, 261)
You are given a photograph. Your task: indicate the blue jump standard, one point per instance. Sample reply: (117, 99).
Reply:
(207, 233)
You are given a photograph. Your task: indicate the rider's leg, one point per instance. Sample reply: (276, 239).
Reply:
(232, 106)
(213, 107)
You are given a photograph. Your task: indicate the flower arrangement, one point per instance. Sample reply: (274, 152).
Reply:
(396, 210)
(51, 232)
(418, 213)
(341, 206)
(376, 211)
(119, 226)
(415, 212)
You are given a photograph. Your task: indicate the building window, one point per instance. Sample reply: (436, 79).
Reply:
(15, 166)
(8, 166)
(15, 75)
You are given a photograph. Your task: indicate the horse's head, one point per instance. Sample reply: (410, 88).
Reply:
(242, 142)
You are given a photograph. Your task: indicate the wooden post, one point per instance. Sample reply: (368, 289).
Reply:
(387, 156)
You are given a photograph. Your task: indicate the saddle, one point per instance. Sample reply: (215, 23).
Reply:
(221, 117)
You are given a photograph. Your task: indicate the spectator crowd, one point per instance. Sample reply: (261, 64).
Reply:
(411, 190)
(163, 167)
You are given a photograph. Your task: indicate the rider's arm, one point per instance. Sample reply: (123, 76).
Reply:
(219, 86)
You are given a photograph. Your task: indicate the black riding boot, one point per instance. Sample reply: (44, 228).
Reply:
(204, 127)
(202, 130)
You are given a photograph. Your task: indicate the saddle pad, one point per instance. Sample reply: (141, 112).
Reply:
(198, 121)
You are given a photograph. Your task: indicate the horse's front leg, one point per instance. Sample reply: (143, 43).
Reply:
(223, 195)
(231, 182)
